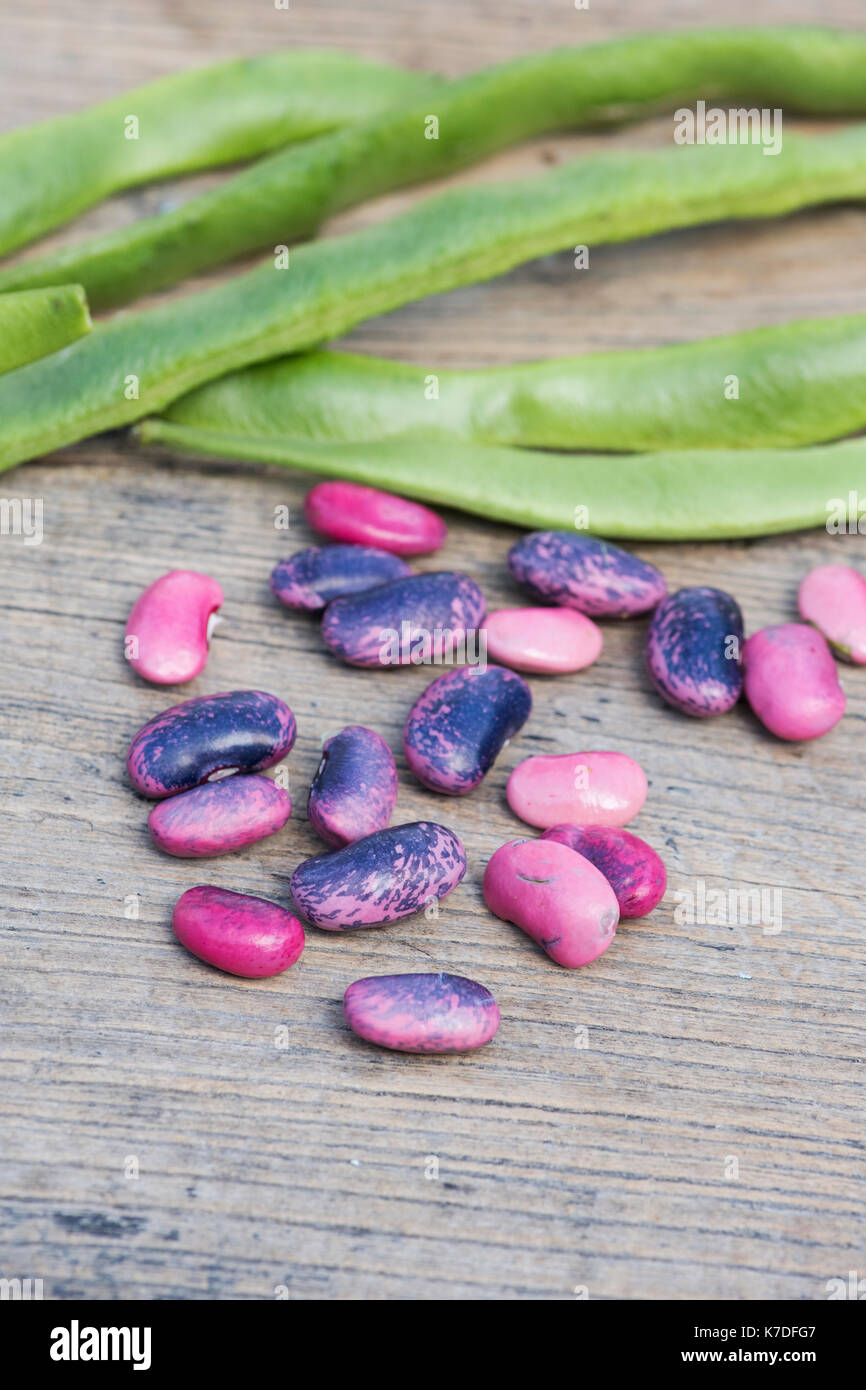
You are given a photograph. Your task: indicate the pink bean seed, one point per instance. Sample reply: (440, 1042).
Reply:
(169, 628)
(365, 516)
(237, 933)
(546, 640)
(791, 682)
(833, 599)
(580, 788)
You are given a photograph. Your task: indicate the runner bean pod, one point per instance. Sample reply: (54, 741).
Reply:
(833, 599)
(427, 617)
(387, 875)
(35, 323)
(583, 572)
(354, 789)
(693, 652)
(168, 631)
(791, 682)
(368, 516)
(422, 1013)
(237, 933)
(309, 579)
(239, 731)
(219, 817)
(458, 726)
(579, 788)
(631, 866)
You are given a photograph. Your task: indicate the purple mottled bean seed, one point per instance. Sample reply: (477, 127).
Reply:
(580, 571)
(458, 726)
(631, 866)
(219, 817)
(422, 1013)
(241, 730)
(237, 933)
(310, 579)
(693, 651)
(387, 875)
(407, 622)
(791, 682)
(354, 790)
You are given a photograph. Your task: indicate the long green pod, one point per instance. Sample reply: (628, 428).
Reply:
(287, 196)
(210, 116)
(796, 383)
(674, 496)
(138, 363)
(35, 323)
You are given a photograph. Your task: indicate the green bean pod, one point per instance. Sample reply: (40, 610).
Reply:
(688, 495)
(796, 383)
(287, 196)
(138, 363)
(34, 323)
(211, 116)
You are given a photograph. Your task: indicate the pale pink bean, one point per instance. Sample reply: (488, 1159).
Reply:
(365, 516)
(547, 640)
(556, 896)
(581, 788)
(791, 681)
(168, 630)
(833, 599)
(237, 933)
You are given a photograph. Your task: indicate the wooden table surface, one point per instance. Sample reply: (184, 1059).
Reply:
(684, 1118)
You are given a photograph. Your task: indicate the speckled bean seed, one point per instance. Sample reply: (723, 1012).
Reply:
(219, 817)
(168, 630)
(422, 1013)
(556, 896)
(390, 874)
(550, 641)
(631, 866)
(791, 682)
(575, 570)
(241, 730)
(354, 790)
(239, 934)
(458, 726)
(407, 622)
(693, 652)
(309, 579)
(579, 788)
(833, 599)
(365, 516)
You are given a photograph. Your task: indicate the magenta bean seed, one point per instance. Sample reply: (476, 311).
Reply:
(309, 579)
(422, 1013)
(791, 681)
(168, 630)
(387, 875)
(414, 621)
(575, 570)
(240, 730)
(354, 790)
(580, 788)
(365, 516)
(631, 866)
(693, 652)
(556, 896)
(550, 641)
(237, 933)
(219, 817)
(458, 726)
(833, 599)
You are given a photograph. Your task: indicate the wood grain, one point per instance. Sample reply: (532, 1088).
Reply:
(561, 1166)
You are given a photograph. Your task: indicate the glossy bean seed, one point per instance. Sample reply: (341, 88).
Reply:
(693, 652)
(580, 788)
(354, 789)
(550, 641)
(631, 866)
(421, 1013)
(427, 617)
(168, 630)
(240, 731)
(791, 682)
(237, 933)
(387, 875)
(219, 817)
(458, 726)
(833, 599)
(366, 516)
(556, 896)
(583, 572)
(309, 579)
